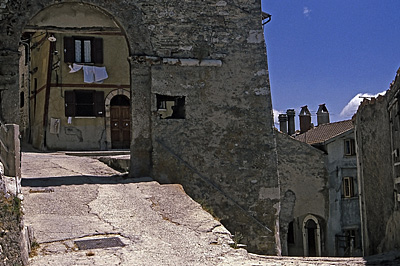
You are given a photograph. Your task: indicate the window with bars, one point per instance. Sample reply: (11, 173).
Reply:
(83, 50)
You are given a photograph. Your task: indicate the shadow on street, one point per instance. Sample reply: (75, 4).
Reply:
(79, 180)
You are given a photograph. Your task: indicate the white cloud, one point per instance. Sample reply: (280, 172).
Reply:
(351, 108)
(276, 114)
(306, 12)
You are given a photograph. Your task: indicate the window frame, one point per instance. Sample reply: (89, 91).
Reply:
(349, 147)
(96, 49)
(348, 187)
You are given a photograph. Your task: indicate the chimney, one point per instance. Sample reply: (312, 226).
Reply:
(305, 119)
(283, 119)
(291, 127)
(322, 115)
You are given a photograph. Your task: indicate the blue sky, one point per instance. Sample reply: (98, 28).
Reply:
(329, 51)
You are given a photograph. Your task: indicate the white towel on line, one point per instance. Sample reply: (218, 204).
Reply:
(75, 68)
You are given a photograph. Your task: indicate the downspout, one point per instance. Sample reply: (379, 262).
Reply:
(47, 96)
(363, 222)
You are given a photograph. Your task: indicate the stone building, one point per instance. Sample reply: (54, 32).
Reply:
(304, 193)
(344, 225)
(320, 213)
(79, 80)
(377, 141)
(202, 64)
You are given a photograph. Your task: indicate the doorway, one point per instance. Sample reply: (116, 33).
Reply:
(311, 237)
(120, 122)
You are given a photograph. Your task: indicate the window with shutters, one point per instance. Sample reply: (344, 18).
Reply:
(83, 50)
(348, 187)
(84, 103)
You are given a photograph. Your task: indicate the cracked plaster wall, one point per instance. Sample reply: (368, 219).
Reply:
(303, 184)
(224, 151)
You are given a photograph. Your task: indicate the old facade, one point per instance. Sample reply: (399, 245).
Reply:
(377, 137)
(178, 60)
(79, 80)
(304, 193)
(344, 224)
(319, 162)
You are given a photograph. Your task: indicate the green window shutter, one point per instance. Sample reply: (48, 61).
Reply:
(99, 109)
(69, 50)
(70, 104)
(97, 51)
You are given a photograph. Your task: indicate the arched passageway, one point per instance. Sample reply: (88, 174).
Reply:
(74, 55)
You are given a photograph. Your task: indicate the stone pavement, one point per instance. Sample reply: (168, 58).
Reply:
(69, 198)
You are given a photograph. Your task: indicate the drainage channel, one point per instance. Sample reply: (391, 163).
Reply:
(108, 242)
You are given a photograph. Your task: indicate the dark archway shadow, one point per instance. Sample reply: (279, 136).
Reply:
(80, 180)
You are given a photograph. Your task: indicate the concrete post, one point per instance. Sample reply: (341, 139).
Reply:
(141, 144)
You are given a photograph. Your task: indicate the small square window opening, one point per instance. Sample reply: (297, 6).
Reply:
(171, 107)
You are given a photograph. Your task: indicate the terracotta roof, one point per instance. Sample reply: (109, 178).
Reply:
(325, 132)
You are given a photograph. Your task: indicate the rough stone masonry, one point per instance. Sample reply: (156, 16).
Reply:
(210, 57)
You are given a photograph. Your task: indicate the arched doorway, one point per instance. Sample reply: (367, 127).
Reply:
(311, 237)
(120, 122)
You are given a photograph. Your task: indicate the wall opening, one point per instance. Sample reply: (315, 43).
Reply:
(171, 107)
(311, 236)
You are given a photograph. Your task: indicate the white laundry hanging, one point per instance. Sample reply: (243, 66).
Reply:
(88, 74)
(100, 74)
(75, 68)
(91, 74)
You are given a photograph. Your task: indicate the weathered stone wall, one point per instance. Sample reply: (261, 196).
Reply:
(344, 213)
(304, 180)
(227, 134)
(374, 171)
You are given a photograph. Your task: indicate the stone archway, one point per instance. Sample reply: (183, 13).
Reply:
(108, 112)
(16, 15)
(311, 236)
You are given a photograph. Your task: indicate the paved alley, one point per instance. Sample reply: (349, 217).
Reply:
(69, 200)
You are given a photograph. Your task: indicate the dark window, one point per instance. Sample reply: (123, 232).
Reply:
(171, 107)
(349, 147)
(83, 50)
(84, 103)
(21, 99)
(290, 235)
(348, 187)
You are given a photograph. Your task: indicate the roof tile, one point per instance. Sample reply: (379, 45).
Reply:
(325, 132)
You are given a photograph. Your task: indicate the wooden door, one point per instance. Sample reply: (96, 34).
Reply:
(120, 127)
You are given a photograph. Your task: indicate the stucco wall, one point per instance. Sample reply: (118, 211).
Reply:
(375, 171)
(227, 134)
(344, 213)
(304, 191)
